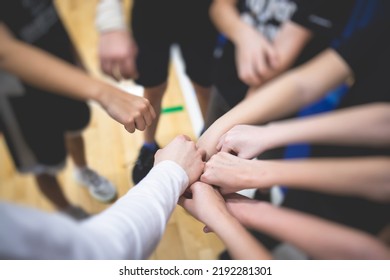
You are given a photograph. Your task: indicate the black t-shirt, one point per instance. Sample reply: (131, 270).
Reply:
(36, 22)
(325, 18)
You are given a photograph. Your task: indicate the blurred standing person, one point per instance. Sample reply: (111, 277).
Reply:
(265, 38)
(42, 128)
(143, 53)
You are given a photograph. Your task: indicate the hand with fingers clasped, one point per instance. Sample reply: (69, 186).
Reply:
(206, 205)
(233, 174)
(245, 141)
(256, 58)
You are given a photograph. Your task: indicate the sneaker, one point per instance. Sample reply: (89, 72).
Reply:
(99, 187)
(75, 212)
(144, 163)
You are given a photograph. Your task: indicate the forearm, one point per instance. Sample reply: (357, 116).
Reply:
(366, 125)
(136, 222)
(281, 97)
(363, 177)
(226, 18)
(259, 108)
(45, 71)
(229, 230)
(319, 238)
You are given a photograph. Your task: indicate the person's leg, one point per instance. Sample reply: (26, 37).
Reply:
(197, 57)
(99, 187)
(152, 65)
(76, 149)
(51, 189)
(150, 146)
(71, 127)
(154, 95)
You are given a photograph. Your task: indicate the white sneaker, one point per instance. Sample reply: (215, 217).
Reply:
(99, 187)
(75, 212)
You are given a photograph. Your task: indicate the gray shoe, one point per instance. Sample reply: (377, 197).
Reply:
(99, 187)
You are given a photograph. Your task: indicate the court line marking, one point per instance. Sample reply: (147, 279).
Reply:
(189, 94)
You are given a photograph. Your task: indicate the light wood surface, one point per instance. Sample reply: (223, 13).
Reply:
(112, 151)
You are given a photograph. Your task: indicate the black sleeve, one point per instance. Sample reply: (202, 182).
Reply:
(1, 12)
(327, 17)
(366, 46)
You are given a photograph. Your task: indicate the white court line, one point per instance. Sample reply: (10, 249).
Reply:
(189, 94)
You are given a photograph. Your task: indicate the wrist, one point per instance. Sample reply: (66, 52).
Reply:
(275, 135)
(263, 175)
(222, 221)
(239, 33)
(98, 92)
(257, 215)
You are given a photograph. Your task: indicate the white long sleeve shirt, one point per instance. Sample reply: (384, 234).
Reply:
(130, 229)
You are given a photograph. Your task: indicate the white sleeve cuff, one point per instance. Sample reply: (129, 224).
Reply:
(110, 16)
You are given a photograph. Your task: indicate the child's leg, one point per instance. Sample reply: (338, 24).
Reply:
(50, 187)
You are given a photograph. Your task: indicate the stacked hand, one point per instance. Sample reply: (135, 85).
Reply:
(134, 112)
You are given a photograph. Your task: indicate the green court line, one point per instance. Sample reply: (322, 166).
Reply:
(174, 109)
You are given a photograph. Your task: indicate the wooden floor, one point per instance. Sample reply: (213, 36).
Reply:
(112, 151)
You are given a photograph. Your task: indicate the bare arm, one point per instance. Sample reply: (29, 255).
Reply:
(45, 71)
(363, 125)
(282, 96)
(317, 237)
(367, 177)
(117, 49)
(367, 125)
(208, 206)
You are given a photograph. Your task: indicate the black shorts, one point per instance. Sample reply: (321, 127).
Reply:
(158, 24)
(34, 126)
